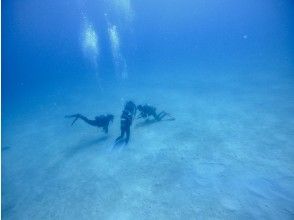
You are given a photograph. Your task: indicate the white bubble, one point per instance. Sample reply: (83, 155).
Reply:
(90, 42)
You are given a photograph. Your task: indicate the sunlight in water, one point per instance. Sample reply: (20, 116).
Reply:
(118, 58)
(90, 43)
(114, 40)
(124, 7)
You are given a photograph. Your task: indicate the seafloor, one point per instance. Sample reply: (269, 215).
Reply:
(228, 155)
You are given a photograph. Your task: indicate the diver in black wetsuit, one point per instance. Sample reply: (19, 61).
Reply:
(101, 121)
(131, 107)
(127, 117)
(147, 110)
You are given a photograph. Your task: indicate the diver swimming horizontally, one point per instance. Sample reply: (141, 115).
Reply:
(101, 121)
(127, 117)
(147, 110)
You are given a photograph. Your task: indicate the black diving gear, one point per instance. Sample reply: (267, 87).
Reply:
(101, 121)
(131, 107)
(127, 116)
(147, 110)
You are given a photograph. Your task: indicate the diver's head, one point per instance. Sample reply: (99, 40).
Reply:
(130, 105)
(130, 102)
(140, 107)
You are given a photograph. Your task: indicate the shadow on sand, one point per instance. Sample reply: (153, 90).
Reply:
(148, 122)
(84, 145)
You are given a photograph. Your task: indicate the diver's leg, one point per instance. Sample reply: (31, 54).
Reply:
(76, 116)
(155, 116)
(85, 119)
(127, 134)
(161, 115)
(72, 116)
(122, 133)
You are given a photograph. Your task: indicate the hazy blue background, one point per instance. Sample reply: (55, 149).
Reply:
(41, 40)
(223, 68)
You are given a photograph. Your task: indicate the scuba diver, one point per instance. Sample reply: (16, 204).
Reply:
(127, 117)
(101, 121)
(147, 110)
(131, 107)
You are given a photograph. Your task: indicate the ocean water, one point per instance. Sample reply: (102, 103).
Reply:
(223, 69)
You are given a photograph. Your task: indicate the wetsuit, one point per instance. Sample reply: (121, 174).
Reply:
(103, 121)
(131, 107)
(127, 116)
(100, 121)
(147, 110)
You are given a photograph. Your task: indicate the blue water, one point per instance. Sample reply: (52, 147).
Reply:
(223, 69)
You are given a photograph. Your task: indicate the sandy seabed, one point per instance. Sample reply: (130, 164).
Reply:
(228, 155)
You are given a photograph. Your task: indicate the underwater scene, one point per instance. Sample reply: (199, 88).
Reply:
(147, 109)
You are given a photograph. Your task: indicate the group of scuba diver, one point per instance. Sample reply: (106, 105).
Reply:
(127, 117)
